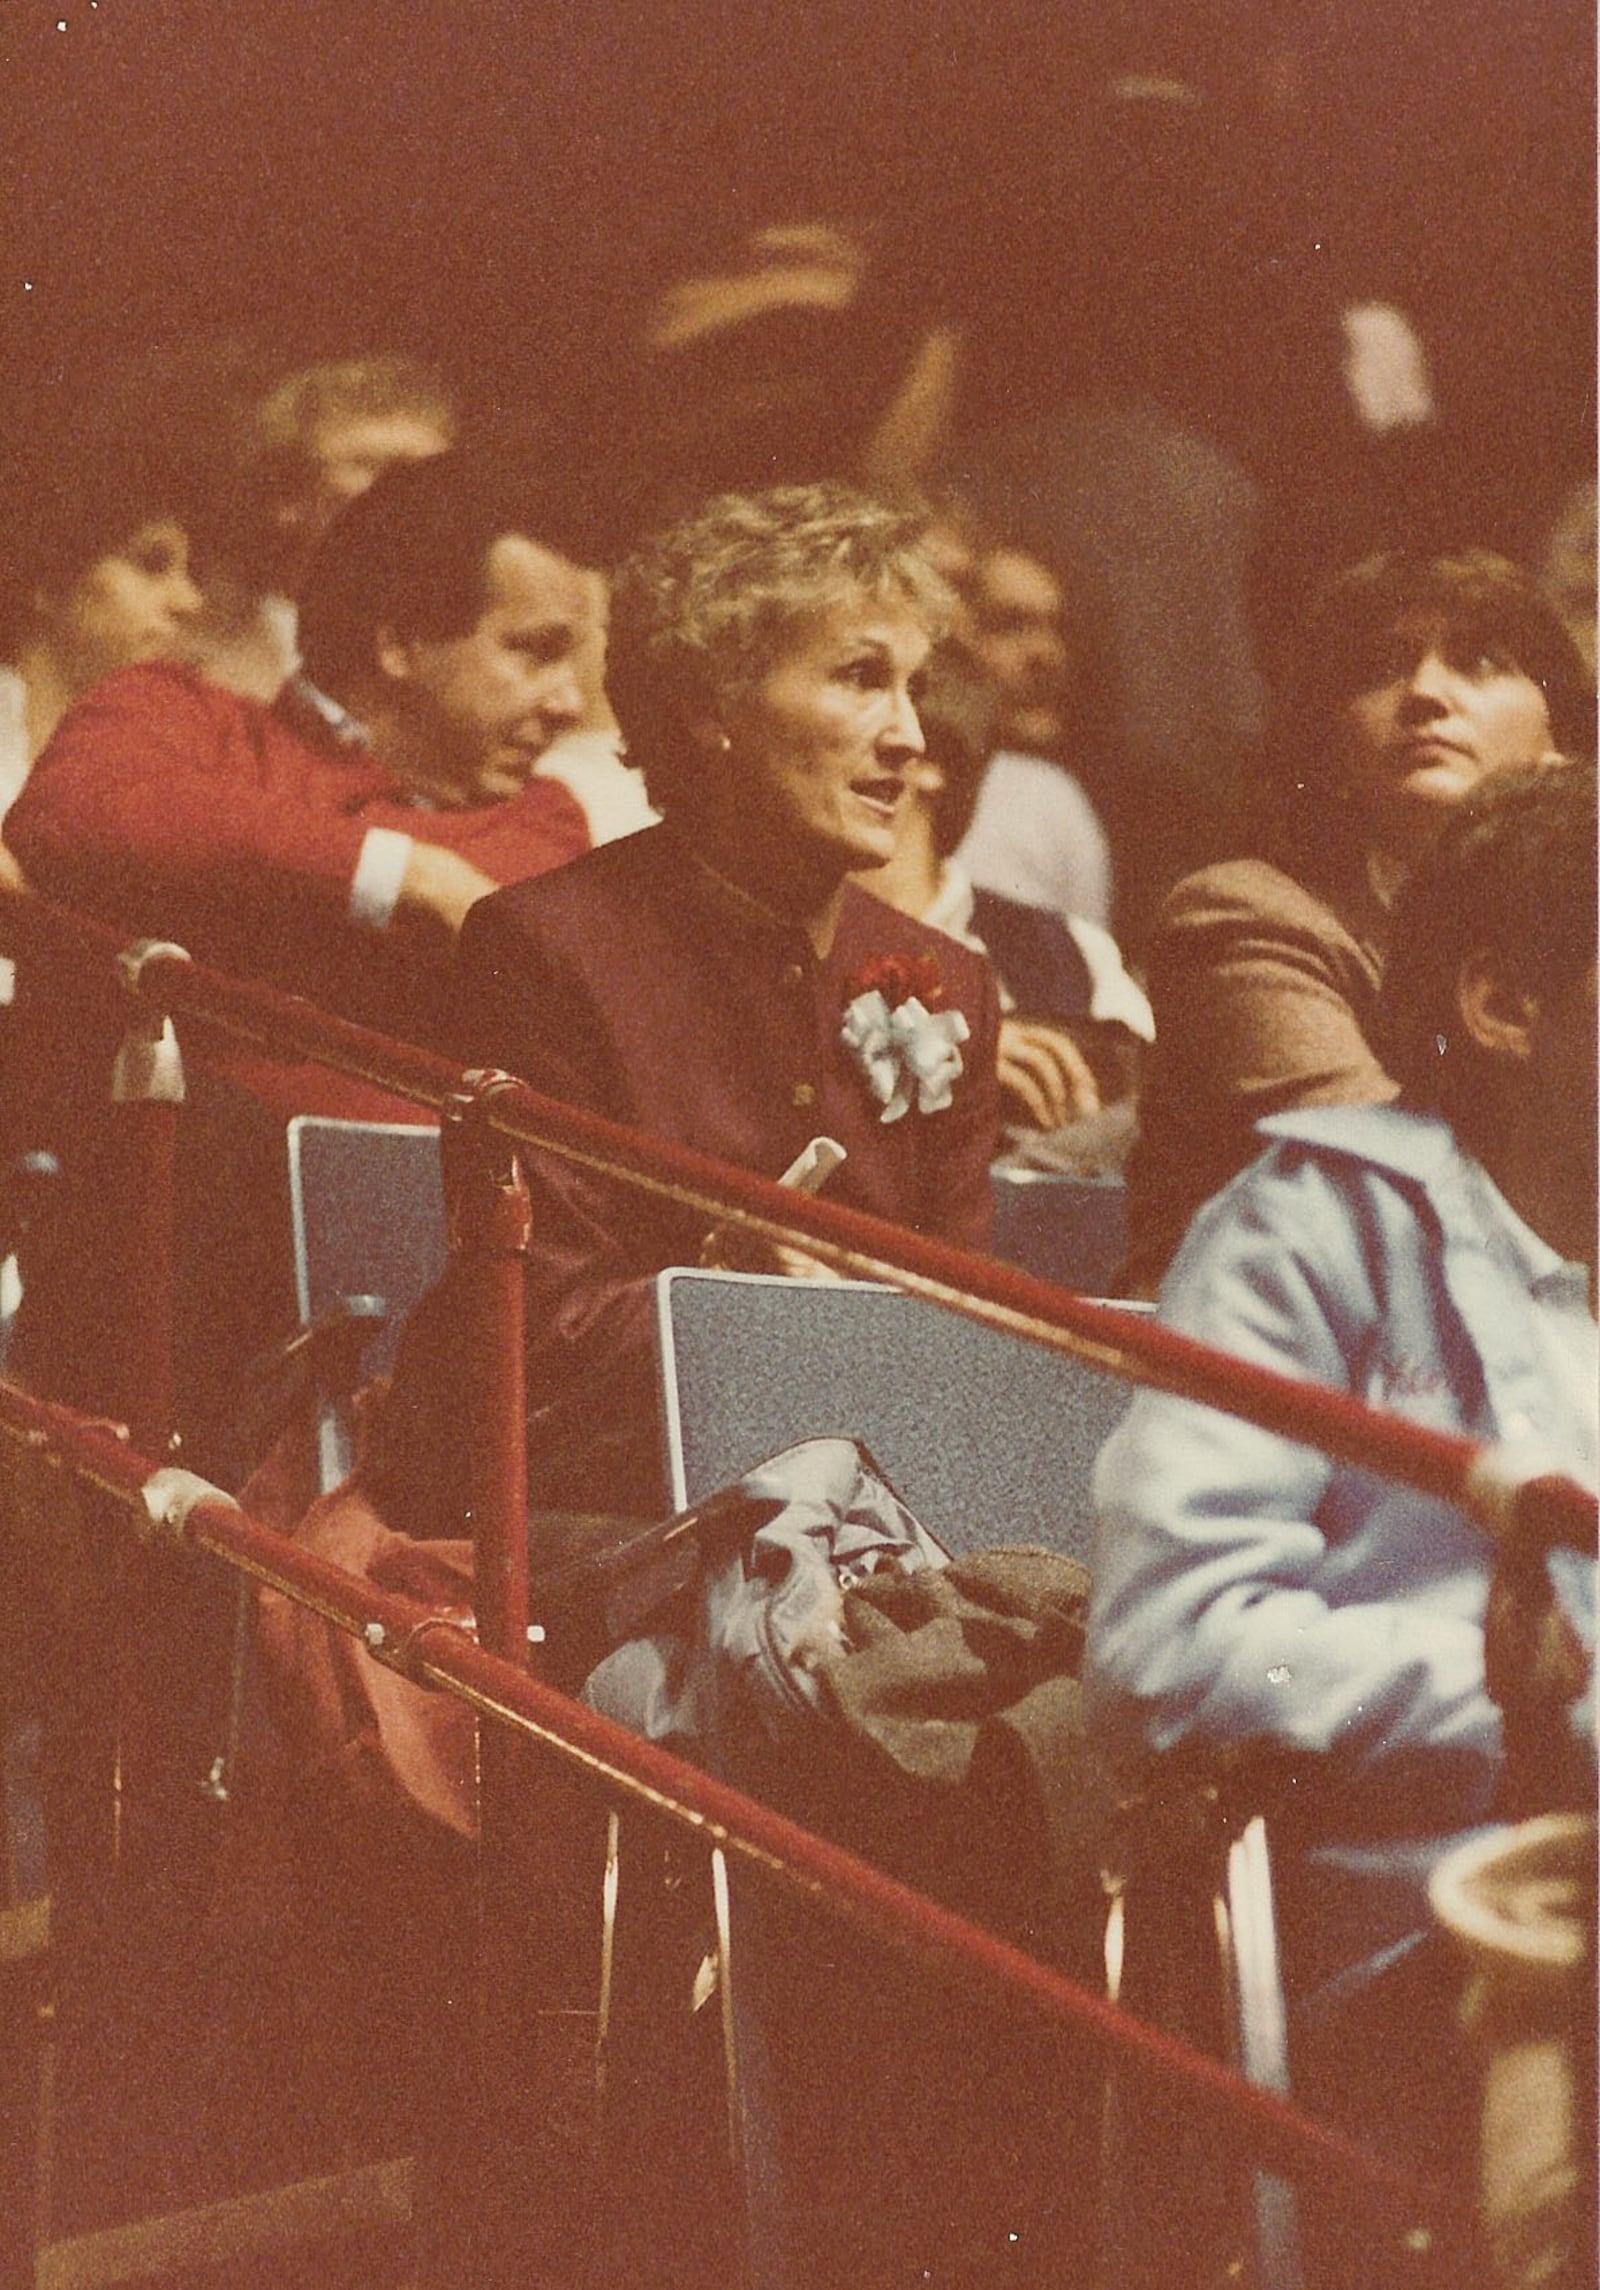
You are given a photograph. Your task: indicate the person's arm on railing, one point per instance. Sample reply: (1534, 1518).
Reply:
(168, 804)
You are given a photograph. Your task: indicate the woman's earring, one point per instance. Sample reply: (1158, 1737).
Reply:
(724, 744)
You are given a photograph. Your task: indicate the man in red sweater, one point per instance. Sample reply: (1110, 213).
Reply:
(330, 844)
(333, 842)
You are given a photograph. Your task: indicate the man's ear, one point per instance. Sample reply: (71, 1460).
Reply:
(1496, 1015)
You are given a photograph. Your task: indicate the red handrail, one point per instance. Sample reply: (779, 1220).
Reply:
(492, 1108)
(1469, 1473)
(174, 1506)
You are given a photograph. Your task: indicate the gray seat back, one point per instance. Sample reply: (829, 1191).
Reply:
(1072, 1230)
(366, 1206)
(988, 1438)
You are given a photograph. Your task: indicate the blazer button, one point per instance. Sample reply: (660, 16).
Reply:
(802, 1095)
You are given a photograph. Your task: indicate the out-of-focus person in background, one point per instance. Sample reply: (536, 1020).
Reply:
(1094, 447)
(799, 356)
(94, 575)
(292, 455)
(1567, 568)
(1416, 677)
(1035, 834)
(1073, 1023)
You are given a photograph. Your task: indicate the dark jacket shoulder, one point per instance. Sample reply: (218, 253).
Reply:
(614, 876)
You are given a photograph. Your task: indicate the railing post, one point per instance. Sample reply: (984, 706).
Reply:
(518, 2220)
(147, 1091)
(490, 1218)
(147, 1084)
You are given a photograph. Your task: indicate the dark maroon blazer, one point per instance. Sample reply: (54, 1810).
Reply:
(639, 984)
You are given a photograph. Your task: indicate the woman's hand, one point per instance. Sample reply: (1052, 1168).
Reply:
(734, 1248)
(730, 1248)
(1045, 1075)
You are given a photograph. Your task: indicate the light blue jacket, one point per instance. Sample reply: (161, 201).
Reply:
(1247, 1589)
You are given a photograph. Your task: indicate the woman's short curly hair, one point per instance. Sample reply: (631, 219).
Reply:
(1470, 598)
(703, 611)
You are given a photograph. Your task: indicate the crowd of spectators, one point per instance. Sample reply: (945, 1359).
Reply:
(953, 804)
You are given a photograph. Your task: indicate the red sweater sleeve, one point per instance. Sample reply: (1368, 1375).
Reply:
(159, 789)
(169, 803)
(542, 827)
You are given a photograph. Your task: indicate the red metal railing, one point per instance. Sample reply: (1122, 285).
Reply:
(488, 1117)
(172, 1506)
(1469, 1473)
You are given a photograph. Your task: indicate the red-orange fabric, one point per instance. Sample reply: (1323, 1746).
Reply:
(353, 1729)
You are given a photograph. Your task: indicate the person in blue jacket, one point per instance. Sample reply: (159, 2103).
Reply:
(1435, 1258)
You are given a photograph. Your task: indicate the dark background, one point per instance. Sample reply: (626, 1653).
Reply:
(496, 186)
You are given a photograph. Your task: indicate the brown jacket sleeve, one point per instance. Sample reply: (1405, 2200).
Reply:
(1265, 998)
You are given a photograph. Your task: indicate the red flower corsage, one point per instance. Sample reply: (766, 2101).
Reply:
(908, 1050)
(899, 978)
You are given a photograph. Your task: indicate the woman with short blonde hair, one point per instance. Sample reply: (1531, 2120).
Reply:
(719, 980)
(704, 609)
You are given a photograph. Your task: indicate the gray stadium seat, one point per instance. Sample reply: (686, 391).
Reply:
(366, 1209)
(989, 1439)
(1072, 1230)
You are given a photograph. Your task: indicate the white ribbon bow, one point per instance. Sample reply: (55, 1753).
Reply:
(906, 1053)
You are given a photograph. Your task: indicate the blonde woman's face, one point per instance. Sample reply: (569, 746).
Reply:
(818, 752)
